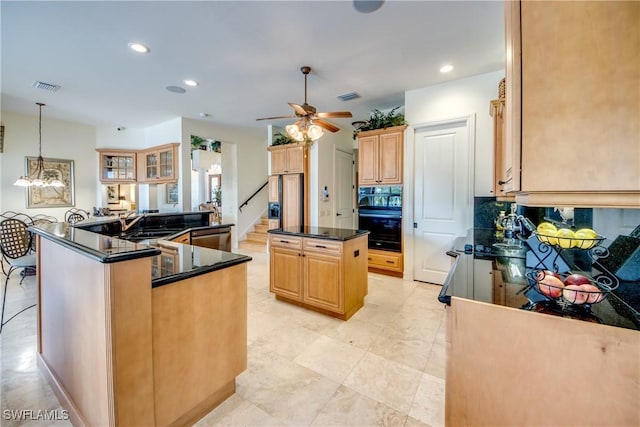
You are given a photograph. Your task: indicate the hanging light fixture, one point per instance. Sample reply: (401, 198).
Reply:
(305, 130)
(38, 178)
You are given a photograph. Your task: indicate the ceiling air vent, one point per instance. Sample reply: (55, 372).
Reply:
(349, 96)
(45, 86)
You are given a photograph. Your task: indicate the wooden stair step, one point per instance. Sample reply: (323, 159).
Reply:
(264, 221)
(260, 228)
(257, 237)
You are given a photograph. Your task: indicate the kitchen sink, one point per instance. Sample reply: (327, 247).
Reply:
(145, 234)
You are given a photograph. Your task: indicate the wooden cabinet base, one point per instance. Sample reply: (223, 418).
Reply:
(385, 262)
(341, 316)
(514, 367)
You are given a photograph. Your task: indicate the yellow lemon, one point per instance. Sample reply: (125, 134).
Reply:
(546, 226)
(565, 238)
(546, 233)
(585, 238)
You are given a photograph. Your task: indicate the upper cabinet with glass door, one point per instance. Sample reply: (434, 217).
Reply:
(158, 164)
(117, 166)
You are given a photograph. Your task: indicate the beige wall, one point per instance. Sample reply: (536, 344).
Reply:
(60, 140)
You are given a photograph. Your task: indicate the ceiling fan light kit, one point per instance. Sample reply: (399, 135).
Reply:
(311, 124)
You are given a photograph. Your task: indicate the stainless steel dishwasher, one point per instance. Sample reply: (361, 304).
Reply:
(213, 238)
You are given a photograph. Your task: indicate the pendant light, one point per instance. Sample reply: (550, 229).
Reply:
(38, 178)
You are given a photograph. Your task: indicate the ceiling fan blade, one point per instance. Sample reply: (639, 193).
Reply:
(299, 109)
(328, 126)
(334, 114)
(277, 117)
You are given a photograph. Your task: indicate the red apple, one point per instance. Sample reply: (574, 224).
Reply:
(576, 279)
(594, 295)
(549, 284)
(574, 294)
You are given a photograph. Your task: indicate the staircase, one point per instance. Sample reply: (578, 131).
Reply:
(258, 237)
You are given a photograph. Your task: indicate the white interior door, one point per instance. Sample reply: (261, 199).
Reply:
(442, 199)
(344, 187)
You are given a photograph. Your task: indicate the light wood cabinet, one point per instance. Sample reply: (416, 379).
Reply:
(323, 281)
(292, 194)
(274, 188)
(328, 276)
(288, 158)
(579, 103)
(184, 238)
(549, 357)
(503, 166)
(386, 262)
(380, 154)
(285, 266)
(158, 164)
(117, 166)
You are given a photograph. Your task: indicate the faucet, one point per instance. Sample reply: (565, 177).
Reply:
(123, 221)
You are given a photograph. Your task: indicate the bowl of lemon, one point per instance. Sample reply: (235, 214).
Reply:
(565, 238)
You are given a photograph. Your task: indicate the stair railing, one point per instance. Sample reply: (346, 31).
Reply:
(246, 202)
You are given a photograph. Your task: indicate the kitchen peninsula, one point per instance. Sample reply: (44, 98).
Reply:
(132, 333)
(322, 269)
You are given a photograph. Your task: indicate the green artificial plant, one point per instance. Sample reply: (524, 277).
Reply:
(380, 120)
(282, 139)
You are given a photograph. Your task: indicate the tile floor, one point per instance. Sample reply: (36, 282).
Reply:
(384, 366)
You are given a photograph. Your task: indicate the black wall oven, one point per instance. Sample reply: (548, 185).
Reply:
(380, 212)
(385, 227)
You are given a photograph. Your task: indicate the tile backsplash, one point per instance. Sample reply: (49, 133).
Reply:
(487, 209)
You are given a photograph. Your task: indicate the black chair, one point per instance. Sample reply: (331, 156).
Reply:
(13, 215)
(15, 244)
(75, 215)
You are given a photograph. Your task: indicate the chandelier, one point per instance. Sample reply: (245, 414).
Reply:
(39, 177)
(304, 130)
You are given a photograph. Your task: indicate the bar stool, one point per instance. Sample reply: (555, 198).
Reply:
(15, 244)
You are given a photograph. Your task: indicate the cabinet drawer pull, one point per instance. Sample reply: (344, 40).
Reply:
(389, 262)
(321, 246)
(284, 241)
(368, 259)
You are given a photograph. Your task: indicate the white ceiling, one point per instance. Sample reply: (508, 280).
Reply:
(246, 55)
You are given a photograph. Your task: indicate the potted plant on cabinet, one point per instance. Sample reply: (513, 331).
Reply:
(380, 120)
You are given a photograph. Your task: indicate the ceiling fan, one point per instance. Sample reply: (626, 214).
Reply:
(307, 113)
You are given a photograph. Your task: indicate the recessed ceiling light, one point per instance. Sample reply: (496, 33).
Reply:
(191, 83)
(139, 47)
(446, 68)
(367, 6)
(176, 89)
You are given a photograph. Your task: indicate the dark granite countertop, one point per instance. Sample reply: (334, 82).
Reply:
(152, 226)
(178, 261)
(621, 307)
(173, 261)
(102, 248)
(320, 232)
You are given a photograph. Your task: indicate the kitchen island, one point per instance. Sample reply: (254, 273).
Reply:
(131, 333)
(514, 358)
(322, 269)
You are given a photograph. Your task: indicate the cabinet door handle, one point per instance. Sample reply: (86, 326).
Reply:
(284, 241)
(321, 246)
(368, 259)
(504, 182)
